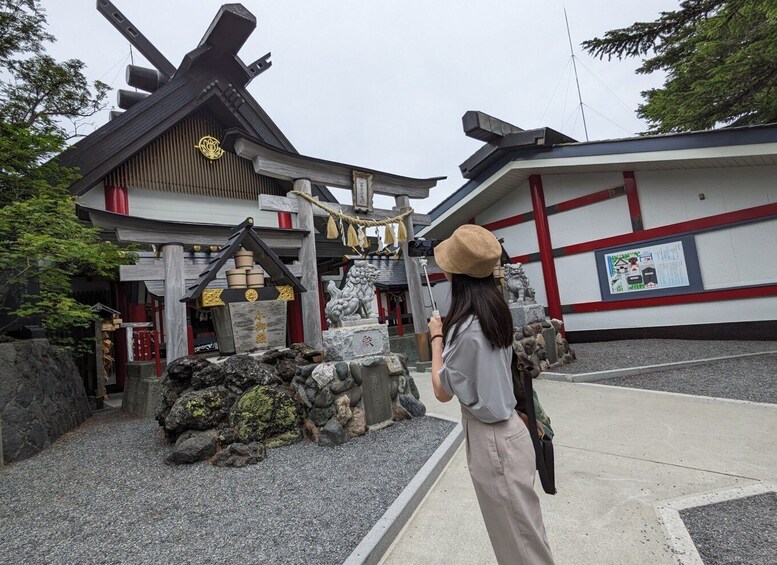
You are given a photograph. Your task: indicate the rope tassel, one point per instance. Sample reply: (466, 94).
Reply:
(349, 237)
(402, 232)
(331, 228)
(389, 235)
(364, 241)
(353, 241)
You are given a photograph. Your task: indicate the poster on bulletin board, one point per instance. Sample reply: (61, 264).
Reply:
(650, 268)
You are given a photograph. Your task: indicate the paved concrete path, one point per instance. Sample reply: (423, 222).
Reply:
(619, 452)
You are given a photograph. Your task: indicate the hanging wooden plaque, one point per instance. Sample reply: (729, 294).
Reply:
(362, 192)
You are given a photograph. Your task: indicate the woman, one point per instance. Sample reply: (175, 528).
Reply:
(471, 354)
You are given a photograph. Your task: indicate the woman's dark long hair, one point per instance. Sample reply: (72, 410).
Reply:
(480, 298)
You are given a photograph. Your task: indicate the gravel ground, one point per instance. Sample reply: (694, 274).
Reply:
(735, 531)
(605, 355)
(102, 494)
(750, 378)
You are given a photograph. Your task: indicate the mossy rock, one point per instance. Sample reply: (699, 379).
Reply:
(199, 409)
(286, 438)
(264, 412)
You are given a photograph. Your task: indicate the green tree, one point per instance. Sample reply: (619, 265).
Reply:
(42, 242)
(720, 59)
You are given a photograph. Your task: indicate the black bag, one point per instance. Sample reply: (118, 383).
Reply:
(543, 446)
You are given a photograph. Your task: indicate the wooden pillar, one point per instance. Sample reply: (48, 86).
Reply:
(414, 288)
(99, 364)
(381, 312)
(311, 309)
(322, 301)
(546, 248)
(176, 338)
(117, 199)
(294, 320)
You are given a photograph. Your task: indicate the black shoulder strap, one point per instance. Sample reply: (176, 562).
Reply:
(543, 448)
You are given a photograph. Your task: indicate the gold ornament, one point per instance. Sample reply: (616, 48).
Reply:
(251, 295)
(212, 297)
(285, 292)
(210, 147)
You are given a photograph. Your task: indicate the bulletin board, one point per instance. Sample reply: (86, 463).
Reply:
(660, 267)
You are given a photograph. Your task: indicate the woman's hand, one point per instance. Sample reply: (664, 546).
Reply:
(435, 325)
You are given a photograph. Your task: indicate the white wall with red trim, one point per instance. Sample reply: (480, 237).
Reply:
(176, 207)
(731, 257)
(668, 197)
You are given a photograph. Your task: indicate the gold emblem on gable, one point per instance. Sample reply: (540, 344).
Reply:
(211, 297)
(251, 295)
(285, 292)
(210, 147)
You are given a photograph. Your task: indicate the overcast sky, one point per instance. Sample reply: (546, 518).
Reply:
(383, 84)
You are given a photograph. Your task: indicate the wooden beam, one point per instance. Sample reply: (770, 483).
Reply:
(135, 38)
(277, 163)
(279, 242)
(271, 203)
(155, 271)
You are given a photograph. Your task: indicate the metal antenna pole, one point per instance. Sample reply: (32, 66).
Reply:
(574, 66)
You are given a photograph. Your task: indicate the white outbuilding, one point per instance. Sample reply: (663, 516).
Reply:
(652, 236)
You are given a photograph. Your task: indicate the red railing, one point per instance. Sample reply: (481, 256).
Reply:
(142, 344)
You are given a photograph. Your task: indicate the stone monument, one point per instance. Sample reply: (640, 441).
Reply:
(520, 297)
(354, 329)
(355, 335)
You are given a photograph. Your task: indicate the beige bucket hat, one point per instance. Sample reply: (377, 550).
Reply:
(470, 250)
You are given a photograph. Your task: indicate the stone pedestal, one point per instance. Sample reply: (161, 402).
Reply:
(355, 341)
(524, 314)
(142, 390)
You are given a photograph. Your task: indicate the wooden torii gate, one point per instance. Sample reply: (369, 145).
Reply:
(305, 171)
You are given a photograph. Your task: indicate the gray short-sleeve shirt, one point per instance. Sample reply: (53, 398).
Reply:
(477, 374)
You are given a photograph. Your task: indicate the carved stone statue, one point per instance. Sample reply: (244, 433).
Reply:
(517, 283)
(354, 300)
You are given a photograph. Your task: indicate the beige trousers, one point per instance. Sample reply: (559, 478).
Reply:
(501, 463)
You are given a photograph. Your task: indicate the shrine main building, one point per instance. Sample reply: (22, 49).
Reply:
(192, 157)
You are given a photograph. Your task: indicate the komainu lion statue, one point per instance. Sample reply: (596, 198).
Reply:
(517, 284)
(354, 300)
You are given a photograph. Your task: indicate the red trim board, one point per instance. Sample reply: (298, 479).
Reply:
(565, 206)
(704, 296)
(635, 211)
(708, 223)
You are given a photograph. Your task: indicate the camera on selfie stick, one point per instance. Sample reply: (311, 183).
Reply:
(423, 248)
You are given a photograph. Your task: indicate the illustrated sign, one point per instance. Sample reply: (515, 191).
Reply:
(649, 269)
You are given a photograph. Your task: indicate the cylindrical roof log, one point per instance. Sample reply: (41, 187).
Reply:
(126, 99)
(144, 78)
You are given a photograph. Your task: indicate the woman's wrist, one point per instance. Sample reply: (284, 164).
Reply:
(436, 336)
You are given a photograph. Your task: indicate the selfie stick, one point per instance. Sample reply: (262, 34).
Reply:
(422, 262)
